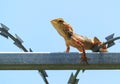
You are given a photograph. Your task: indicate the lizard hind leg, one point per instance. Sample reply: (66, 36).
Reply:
(83, 57)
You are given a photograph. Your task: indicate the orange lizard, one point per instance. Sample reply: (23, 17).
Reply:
(82, 43)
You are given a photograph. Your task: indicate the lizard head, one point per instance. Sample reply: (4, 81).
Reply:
(63, 28)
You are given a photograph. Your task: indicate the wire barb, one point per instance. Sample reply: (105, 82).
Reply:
(18, 42)
(73, 79)
(109, 43)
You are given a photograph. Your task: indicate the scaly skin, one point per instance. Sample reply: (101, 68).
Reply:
(82, 43)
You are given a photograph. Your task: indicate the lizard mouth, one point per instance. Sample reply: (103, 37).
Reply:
(52, 21)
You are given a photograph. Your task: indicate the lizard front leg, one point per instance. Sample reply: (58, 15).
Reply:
(67, 48)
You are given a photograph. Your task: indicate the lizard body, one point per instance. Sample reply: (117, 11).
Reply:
(82, 43)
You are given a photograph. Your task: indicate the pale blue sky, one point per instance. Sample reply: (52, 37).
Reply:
(30, 19)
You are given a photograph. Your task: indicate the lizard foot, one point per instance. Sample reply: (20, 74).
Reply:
(84, 59)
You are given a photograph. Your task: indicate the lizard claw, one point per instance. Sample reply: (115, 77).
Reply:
(84, 59)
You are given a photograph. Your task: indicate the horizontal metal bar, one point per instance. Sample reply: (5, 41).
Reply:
(58, 61)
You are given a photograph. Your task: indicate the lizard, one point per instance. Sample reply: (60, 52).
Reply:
(73, 39)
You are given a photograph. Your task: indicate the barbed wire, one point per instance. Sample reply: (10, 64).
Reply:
(18, 42)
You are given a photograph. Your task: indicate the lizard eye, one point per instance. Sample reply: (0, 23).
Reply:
(60, 21)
